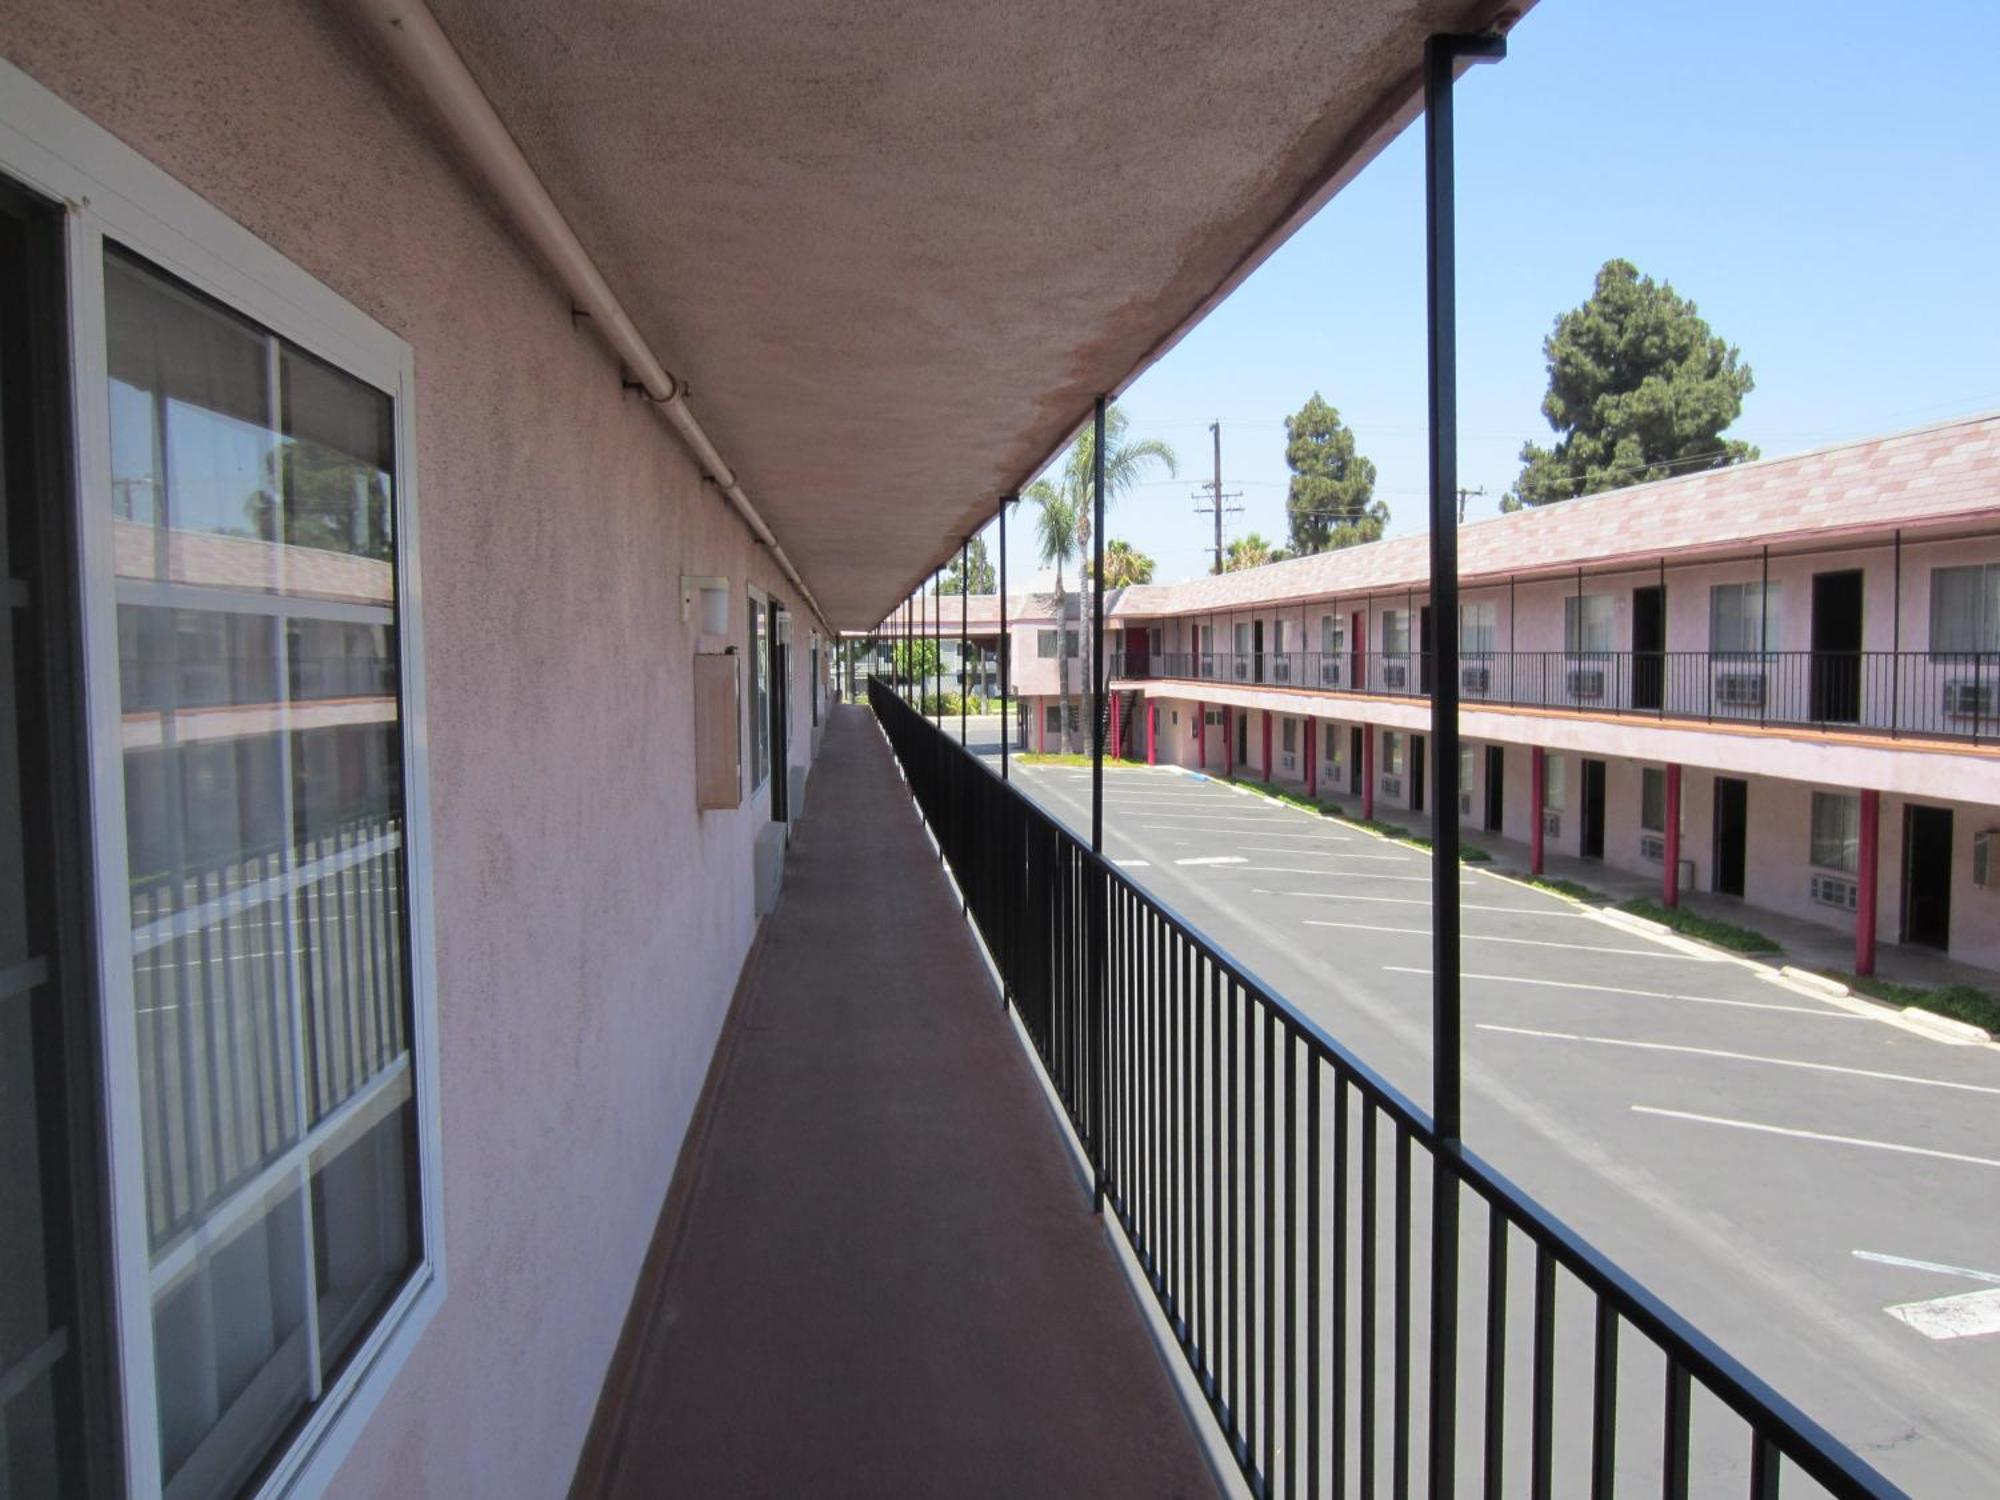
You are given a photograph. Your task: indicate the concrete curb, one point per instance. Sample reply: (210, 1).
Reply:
(1811, 980)
(1945, 1028)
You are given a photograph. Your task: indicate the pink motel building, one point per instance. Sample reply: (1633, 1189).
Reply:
(1779, 682)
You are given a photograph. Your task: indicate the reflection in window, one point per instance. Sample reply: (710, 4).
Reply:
(253, 508)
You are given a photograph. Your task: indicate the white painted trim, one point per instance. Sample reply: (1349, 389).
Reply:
(111, 191)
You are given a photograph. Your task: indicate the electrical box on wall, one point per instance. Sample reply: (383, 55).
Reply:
(705, 605)
(718, 731)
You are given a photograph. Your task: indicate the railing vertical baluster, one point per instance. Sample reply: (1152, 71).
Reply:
(1234, 1305)
(1312, 1485)
(1268, 1397)
(1604, 1404)
(1542, 1420)
(1184, 1092)
(1216, 1210)
(1674, 1458)
(1763, 1467)
(1337, 1437)
(1369, 1234)
(1291, 1265)
(1399, 1474)
(1496, 1351)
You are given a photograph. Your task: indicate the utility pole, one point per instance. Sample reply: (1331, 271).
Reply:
(1463, 492)
(1216, 497)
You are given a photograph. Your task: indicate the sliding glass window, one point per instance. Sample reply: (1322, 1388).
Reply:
(253, 491)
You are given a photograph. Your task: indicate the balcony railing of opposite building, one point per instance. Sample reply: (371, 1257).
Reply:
(1944, 695)
(1327, 1266)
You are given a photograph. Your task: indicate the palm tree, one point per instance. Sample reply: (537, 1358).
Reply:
(1062, 527)
(1125, 564)
(1251, 551)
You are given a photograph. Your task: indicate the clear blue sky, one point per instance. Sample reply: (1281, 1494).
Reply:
(1823, 181)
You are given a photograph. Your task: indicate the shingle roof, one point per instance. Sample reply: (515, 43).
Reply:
(1931, 475)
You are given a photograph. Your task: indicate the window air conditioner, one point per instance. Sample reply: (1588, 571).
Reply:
(1395, 674)
(1288, 762)
(1475, 680)
(1281, 669)
(1740, 689)
(1392, 786)
(1833, 890)
(1969, 700)
(1465, 804)
(1552, 823)
(1242, 668)
(1329, 674)
(1586, 682)
(1653, 847)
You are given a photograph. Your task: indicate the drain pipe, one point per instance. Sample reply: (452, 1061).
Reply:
(409, 36)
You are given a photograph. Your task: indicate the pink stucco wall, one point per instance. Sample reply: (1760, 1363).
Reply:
(590, 924)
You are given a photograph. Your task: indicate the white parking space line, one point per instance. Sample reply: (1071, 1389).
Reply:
(1262, 820)
(1927, 1265)
(1368, 875)
(1494, 937)
(1512, 911)
(1308, 838)
(1396, 859)
(1132, 864)
(1963, 1315)
(1753, 1057)
(1211, 859)
(1606, 989)
(1817, 1135)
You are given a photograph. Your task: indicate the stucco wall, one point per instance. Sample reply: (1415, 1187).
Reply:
(590, 923)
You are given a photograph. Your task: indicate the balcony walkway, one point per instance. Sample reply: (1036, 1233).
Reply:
(882, 1276)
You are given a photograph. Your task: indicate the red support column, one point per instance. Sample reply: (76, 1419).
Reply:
(1867, 878)
(1152, 731)
(1670, 873)
(1228, 742)
(1117, 717)
(1041, 727)
(1312, 757)
(1538, 773)
(1201, 736)
(1367, 770)
(1267, 744)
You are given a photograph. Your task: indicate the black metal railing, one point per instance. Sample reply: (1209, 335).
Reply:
(1944, 695)
(1313, 1246)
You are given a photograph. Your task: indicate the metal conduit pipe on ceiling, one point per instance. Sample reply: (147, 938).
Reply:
(406, 33)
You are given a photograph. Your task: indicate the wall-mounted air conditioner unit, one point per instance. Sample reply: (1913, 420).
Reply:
(1740, 689)
(1329, 674)
(1475, 680)
(1242, 668)
(1986, 858)
(1586, 682)
(1833, 890)
(1288, 762)
(1281, 669)
(1392, 786)
(1465, 804)
(1207, 667)
(1969, 700)
(1395, 674)
(1552, 823)
(1653, 847)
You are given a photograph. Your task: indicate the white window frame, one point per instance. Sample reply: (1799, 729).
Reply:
(760, 603)
(112, 192)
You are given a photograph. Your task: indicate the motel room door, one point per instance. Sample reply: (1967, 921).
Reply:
(1927, 876)
(1732, 833)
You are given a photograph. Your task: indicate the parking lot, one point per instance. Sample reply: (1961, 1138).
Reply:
(1815, 1187)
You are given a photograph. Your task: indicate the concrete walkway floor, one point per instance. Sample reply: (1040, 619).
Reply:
(880, 1275)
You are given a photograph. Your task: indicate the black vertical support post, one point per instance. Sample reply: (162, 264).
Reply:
(1896, 645)
(1764, 638)
(1103, 891)
(964, 635)
(1005, 641)
(1441, 56)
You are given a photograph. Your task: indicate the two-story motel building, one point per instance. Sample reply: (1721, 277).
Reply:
(1779, 681)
